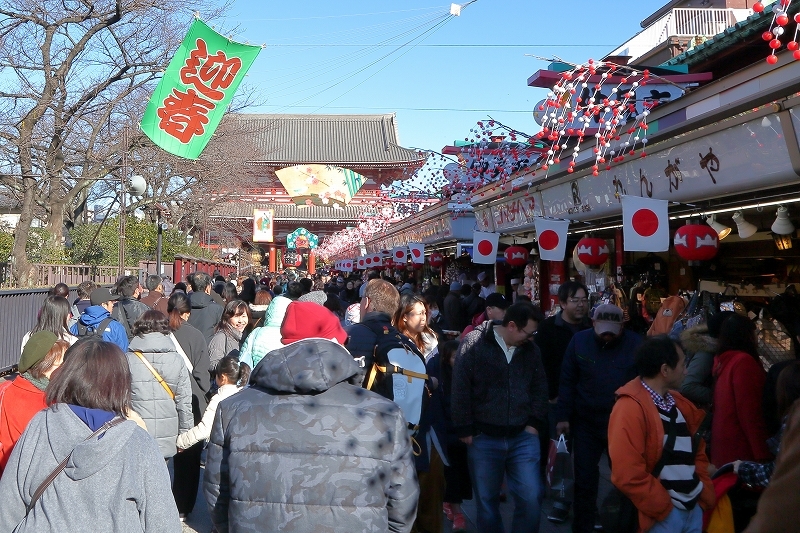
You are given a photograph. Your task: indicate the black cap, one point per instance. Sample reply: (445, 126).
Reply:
(497, 300)
(101, 296)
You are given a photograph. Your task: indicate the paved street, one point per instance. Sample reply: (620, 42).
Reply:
(200, 522)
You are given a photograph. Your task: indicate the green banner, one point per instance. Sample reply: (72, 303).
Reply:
(195, 91)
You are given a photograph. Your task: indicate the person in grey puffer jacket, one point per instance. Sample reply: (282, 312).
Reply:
(305, 449)
(116, 482)
(165, 417)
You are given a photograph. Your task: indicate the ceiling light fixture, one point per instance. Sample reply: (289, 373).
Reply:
(721, 229)
(782, 224)
(743, 227)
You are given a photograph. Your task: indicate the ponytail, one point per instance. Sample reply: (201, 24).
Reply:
(235, 372)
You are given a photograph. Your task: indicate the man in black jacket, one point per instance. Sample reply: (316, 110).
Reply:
(499, 406)
(553, 338)
(206, 312)
(379, 303)
(128, 308)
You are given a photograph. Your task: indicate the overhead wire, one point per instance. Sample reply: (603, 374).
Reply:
(345, 14)
(349, 76)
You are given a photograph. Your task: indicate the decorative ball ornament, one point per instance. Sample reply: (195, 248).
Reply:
(516, 256)
(777, 28)
(592, 251)
(696, 242)
(436, 260)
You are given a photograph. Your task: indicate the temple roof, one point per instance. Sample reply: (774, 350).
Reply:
(342, 140)
(289, 211)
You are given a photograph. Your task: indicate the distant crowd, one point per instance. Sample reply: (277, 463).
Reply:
(363, 403)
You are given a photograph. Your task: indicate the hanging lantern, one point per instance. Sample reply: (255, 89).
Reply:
(516, 256)
(696, 242)
(592, 251)
(436, 259)
(292, 259)
(388, 262)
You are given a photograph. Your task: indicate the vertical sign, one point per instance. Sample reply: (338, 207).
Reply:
(263, 220)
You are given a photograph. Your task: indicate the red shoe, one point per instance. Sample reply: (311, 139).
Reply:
(448, 512)
(459, 522)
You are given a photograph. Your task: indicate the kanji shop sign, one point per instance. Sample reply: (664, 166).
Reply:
(195, 91)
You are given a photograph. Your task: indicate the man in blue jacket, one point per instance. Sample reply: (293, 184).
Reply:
(597, 362)
(96, 320)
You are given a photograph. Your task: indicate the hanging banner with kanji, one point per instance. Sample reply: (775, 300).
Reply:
(195, 91)
(262, 225)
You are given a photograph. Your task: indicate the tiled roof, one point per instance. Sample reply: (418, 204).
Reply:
(756, 23)
(289, 211)
(331, 139)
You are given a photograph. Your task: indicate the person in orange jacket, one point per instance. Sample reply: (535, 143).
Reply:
(646, 407)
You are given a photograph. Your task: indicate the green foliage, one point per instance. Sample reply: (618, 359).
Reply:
(6, 243)
(140, 243)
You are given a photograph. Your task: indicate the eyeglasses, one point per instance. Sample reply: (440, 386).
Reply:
(582, 301)
(528, 334)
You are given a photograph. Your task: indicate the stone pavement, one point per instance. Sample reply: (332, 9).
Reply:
(200, 522)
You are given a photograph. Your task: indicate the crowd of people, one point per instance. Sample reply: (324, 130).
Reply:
(300, 392)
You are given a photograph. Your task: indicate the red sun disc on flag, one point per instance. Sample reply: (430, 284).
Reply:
(645, 222)
(415, 252)
(399, 254)
(485, 247)
(369, 260)
(548, 240)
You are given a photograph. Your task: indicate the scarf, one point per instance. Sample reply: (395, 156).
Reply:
(40, 383)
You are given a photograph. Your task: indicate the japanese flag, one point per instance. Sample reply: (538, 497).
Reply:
(551, 235)
(484, 247)
(417, 252)
(399, 254)
(347, 265)
(645, 224)
(361, 262)
(377, 260)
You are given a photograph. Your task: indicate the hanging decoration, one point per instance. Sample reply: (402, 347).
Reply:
(195, 91)
(436, 260)
(696, 242)
(516, 256)
(320, 184)
(551, 236)
(292, 259)
(777, 29)
(302, 239)
(417, 252)
(592, 251)
(263, 224)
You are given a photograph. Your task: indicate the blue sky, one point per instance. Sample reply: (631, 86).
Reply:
(321, 57)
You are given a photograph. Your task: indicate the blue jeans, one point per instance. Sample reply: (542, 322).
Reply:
(517, 458)
(680, 521)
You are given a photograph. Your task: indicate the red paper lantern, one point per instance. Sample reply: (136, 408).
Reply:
(516, 256)
(592, 251)
(436, 259)
(696, 242)
(292, 259)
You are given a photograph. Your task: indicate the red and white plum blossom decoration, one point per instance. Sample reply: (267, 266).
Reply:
(780, 19)
(576, 102)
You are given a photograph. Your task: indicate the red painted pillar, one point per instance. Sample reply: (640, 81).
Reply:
(311, 262)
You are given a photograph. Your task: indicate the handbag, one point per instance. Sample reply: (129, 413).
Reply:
(560, 475)
(60, 468)
(155, 373)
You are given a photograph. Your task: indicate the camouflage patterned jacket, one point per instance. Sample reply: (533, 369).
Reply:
(303, 450)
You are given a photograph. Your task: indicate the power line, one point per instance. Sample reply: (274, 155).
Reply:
(442, 45)
(446, 109)
(341, 16)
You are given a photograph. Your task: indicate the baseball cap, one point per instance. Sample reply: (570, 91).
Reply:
(101, 296)
(497, 300)
(607, 318)
(455, 286)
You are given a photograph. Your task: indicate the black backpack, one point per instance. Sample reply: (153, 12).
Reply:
(89, 331)
(397, 372)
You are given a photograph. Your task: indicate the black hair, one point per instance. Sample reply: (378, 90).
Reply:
(199, 281)
(152, 321)
(177, 305)
(60, 289)
(152, 282)
(127, 286)
(738, 333)
(248, 293)
(307, 284)
(447, 349)
(53, 316)
(521, 313)
(237, 373)
(568, 289)
(654, 352)
(229, 292)
(294, 290)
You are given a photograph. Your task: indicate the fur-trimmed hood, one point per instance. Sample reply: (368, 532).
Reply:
(697, 339)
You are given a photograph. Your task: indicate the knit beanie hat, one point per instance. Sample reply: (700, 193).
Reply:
(36, 349)
(304, 320)
(318, 297)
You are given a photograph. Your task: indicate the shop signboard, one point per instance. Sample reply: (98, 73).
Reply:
(483, 219)
(514, 213)
(746, 157)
